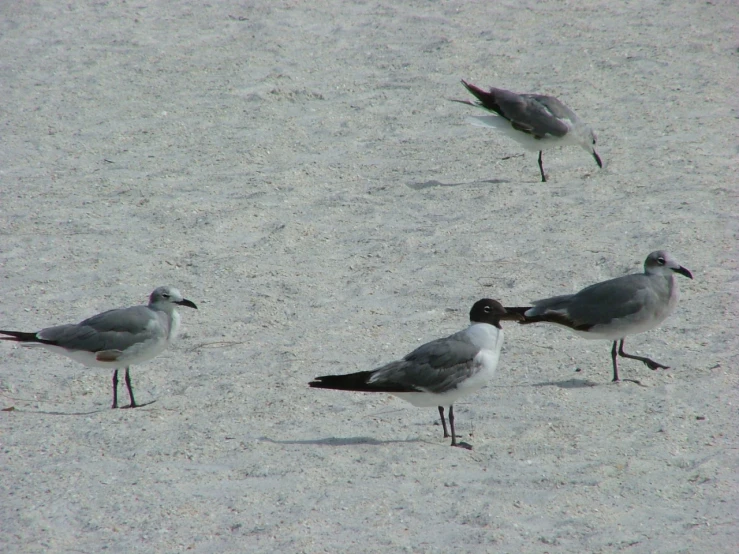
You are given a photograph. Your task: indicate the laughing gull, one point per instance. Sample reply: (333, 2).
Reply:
(441, 371)
(116, 338)
(536, 121)
(617, 308)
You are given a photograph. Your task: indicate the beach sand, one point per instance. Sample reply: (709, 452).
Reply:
(298, 171)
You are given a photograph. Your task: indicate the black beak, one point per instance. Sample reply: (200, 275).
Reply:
(684, 271)
(190, 304)
(597, 159)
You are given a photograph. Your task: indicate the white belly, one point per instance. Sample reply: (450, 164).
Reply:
(132, 356)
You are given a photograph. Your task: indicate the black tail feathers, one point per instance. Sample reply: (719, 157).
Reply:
(521, 310)
(19, 336)
(352, 381)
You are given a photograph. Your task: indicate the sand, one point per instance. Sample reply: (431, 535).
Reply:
(297, 170)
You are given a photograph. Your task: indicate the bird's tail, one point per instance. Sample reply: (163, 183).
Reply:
(19, 336)
(521, 311)
(487, 98)
(359, 382)
(468, 102)
(551, 316)
(351, 381)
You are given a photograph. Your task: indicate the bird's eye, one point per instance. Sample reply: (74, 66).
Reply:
(487, 309)
(165, 295)
(661, 261)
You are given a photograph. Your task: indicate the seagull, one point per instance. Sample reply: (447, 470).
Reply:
(616, 308)
(536, 121)
(441, 371)
(116, 338)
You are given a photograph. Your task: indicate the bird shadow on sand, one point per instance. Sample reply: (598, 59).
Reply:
(340, 441)
(584, 383)
(568, 384)
(98, 411)
(434, 183)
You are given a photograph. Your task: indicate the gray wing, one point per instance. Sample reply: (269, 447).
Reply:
(533, 113)
(555, 106)
(111, 330)
(601, 303)
(436, 366)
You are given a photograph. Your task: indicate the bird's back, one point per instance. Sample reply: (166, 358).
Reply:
(610, 309)
(118, 329)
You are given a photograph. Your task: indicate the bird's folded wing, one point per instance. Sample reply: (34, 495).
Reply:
(534, 114)
(620, 298)
(134, 320)
(89, 339)
(435, 367)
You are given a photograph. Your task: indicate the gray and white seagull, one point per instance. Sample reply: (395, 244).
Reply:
(535, 121)
(441, 371)
(617, 308)
(115, 339)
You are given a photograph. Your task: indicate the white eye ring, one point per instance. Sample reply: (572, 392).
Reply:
(661, 261)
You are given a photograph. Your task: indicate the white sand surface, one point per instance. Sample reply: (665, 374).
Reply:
(296, 169)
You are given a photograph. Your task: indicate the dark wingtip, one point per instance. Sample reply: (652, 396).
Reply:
(19, 336)
(473, 89)
(518, 309)
(512, 316)
(350, 382)
(519, 313)
(597, 159)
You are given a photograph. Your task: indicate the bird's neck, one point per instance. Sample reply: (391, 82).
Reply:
(173, 318)
(174, 324)
(673, 289)
(485, 336)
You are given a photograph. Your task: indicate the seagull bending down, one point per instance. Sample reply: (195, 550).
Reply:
(535, 121)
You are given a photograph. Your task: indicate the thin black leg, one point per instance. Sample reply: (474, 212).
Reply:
(130, 390)
(454, 434)
(651, 364)
(115, 390)
(541, 168)
(451, 424)
(443, 422)
(614, 353)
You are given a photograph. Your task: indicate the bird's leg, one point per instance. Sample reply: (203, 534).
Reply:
(541, 168)
(451, 424)
(614, 354)
(454, 435)
(651, 364)
(130, 390)
(115, 390)
(443, 422)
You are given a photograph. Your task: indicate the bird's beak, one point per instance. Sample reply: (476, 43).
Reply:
(188, 303)
(597, 159)
(684, 271)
